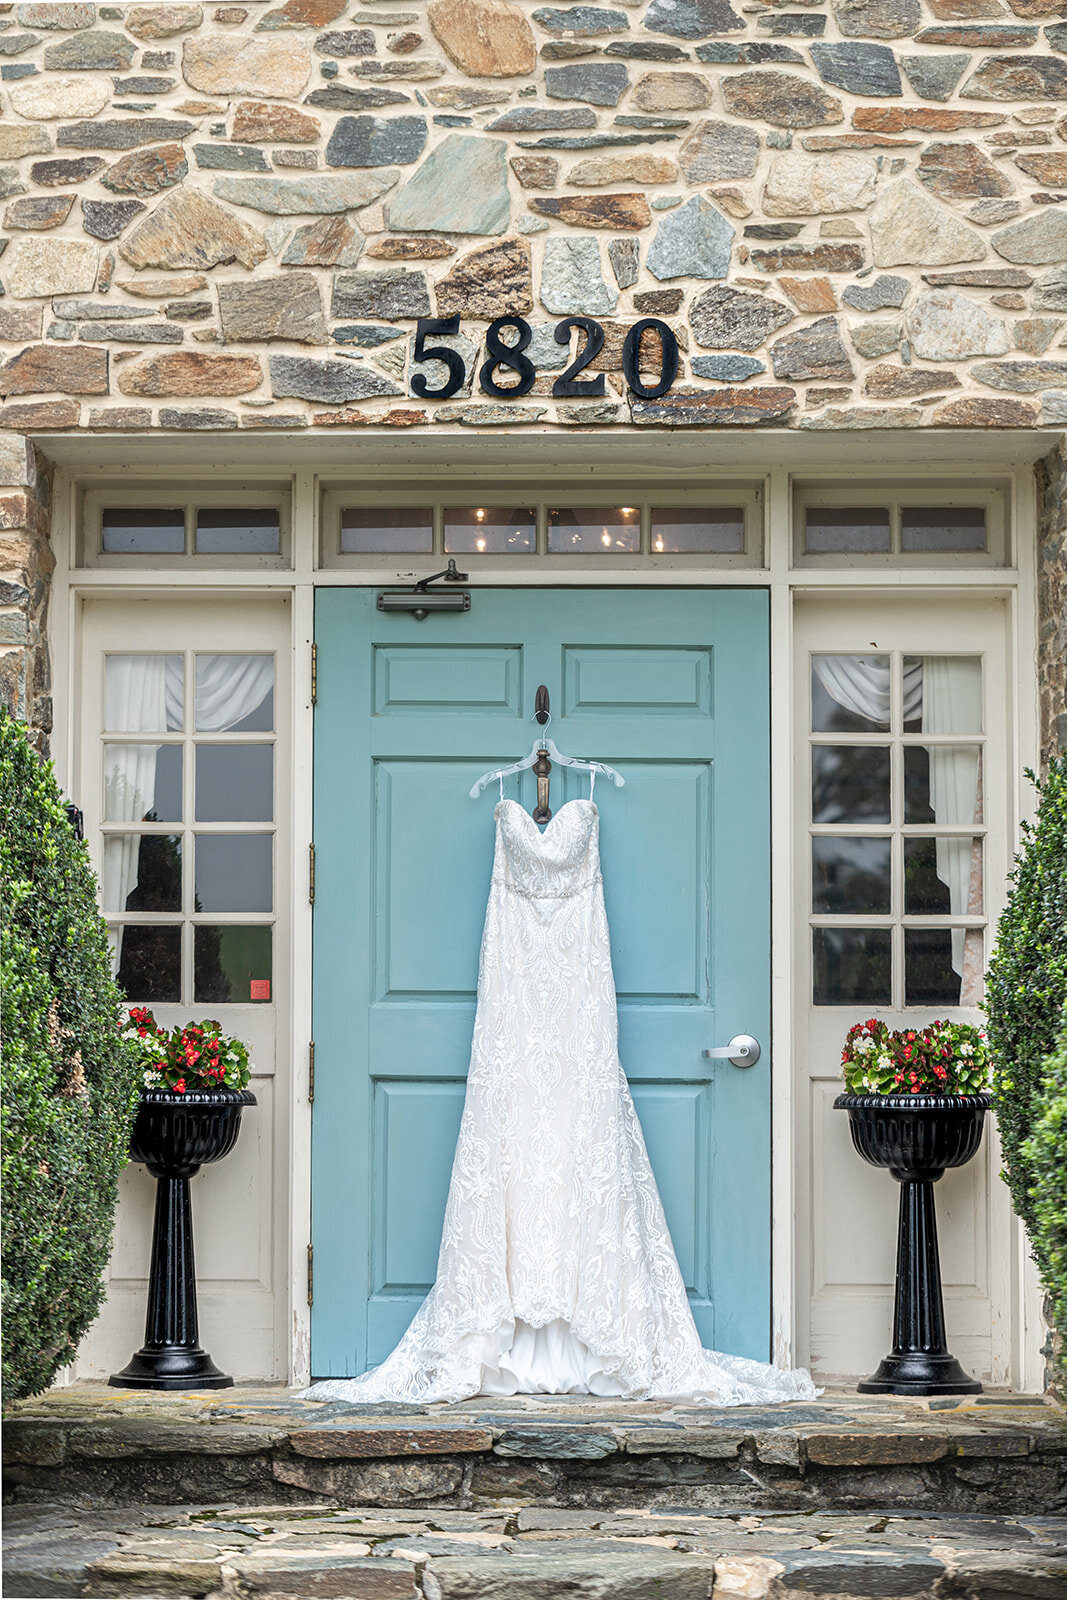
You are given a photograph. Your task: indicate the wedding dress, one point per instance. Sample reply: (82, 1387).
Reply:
(556, 1273)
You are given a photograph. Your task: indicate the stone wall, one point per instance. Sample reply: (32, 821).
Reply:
(218, 216)
(26, 564)
(1052, 601)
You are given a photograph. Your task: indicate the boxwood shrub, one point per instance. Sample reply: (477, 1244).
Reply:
(1046, 1155)
(69, 1083)
(1026, 991)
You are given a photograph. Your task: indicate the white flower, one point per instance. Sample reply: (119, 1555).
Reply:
(966, 1049)
(151, 1078)
(885, 1063)
(865, 1045)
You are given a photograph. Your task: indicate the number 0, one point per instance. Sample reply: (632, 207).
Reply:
(631, 352)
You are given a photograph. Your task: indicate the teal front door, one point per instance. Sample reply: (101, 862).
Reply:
(670, 687)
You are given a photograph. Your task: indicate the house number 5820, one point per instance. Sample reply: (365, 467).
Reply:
(512, 359)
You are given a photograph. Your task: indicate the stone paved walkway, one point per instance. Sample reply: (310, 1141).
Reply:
(527, 1553)
(254, 1493)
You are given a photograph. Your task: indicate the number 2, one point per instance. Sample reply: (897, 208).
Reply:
(568, 383)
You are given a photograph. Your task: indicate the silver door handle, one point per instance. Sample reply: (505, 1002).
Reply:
(742, 1051)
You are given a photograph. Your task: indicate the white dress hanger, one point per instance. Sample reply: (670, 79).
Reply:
(498, 774)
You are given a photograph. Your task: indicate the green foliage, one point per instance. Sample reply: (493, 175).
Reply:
(69, 1080)
(1045, 1153)
(1026, 984)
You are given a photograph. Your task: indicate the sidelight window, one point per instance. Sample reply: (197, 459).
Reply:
(897, 829)
(189, 822)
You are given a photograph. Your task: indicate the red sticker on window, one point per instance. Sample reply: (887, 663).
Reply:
(260, 988)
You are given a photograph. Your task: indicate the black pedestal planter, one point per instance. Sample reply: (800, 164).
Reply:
(174, 1135)
(917, 1137)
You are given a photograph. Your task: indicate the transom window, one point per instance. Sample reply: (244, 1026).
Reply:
(950, 523)
(163, 525)
(722, 525)
(896, 829)
(188, 813)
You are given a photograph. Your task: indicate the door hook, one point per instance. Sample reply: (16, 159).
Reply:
(541, 711)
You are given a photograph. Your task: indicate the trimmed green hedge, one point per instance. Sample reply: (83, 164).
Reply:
(1026, 991)
(69, 1082)
(1046, 1155)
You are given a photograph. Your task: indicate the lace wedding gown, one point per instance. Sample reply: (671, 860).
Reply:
(556, 1274)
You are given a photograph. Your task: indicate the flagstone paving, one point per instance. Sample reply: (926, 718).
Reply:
(527, 1553)
(254, 1492)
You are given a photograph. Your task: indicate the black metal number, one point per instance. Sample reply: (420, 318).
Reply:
(568, 383)
(437, 352)
(507, 355)
(631, 353)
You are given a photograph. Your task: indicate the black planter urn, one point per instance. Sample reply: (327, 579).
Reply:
(917, 1137)
(174, 1135)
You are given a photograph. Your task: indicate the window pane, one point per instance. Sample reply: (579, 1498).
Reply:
(941, 784)
(942, 528)
(146, 530)
(142, 872)
(149, 963)
(238, 531)
(714, 530)
(234, 693)
(231, 964)
(943, 875)
(367, 529)
(864, 529)
(850, 694)
(930, 979)
(143, 694)
(849, 783)
(142, 783)
(852, 966)
(234, 783)
(596, 528)
(234, 872)
(494, 529)
(943, 694)
(850, 875)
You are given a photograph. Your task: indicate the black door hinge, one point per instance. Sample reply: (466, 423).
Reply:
(314, 673)
(311, 1071)
(311, 874)
(311, 1274)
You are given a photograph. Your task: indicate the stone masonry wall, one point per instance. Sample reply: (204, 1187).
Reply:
(26, 564)
(853, 213)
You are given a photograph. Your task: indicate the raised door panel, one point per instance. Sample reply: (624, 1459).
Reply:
(415, 1130)
(676, 1120)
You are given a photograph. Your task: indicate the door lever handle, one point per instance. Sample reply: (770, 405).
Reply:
(742, 1051)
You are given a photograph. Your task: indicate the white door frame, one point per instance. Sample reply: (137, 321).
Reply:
(1007, 455)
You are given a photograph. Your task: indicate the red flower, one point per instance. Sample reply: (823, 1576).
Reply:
(179, 1087)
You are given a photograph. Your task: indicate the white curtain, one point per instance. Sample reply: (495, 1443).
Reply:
(861, 685)
(952, 703)
(145, 694)
(946, 692)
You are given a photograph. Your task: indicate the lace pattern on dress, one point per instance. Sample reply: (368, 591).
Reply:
(553, 1220)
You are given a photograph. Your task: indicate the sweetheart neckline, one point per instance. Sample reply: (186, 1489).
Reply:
(579, 800)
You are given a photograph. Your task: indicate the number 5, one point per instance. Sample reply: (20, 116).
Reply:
(437, 352)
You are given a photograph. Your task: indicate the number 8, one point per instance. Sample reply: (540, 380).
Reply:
(507, 355)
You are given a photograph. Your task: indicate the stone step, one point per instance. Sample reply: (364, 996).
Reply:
(996, 1454)
(529, 1552)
